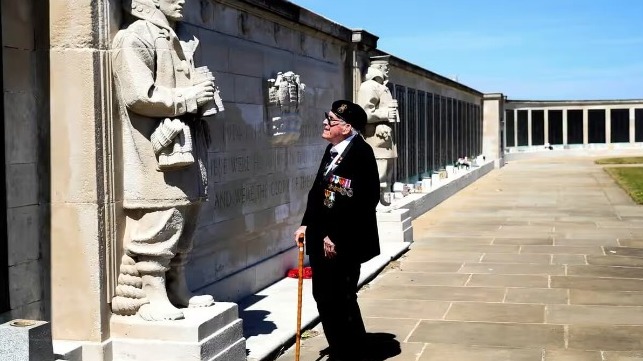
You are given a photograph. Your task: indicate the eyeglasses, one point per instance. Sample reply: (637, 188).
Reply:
(329, 121)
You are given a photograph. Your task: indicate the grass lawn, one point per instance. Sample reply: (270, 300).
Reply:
(620, 160)
(630, 179)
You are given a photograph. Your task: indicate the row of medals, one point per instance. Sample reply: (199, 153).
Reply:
(337, 184)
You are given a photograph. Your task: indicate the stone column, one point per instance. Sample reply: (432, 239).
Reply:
(529, 130)
(565, 127)
(546, 115)
(492, 116)
(608, 126)
(82, 174)
(585, 126)
(363, 43)
(632, 125)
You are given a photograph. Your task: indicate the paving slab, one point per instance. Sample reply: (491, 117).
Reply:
(605, 271)
(632, 243)
(516, 258)
(437, 352)
(423, 279)
(429, 255)
(409, 266)
(613, 241)
(597, 283)
(622, 356)
(614, 298)
(563, 250)
(543, 241)
(624, 251)
(495, 312)
(436, 293)
(488, 334)
(572, 355)
(505, 280)
(513, 269)
(594, 315)
(606, 338)
(457, 247)
(569, 259)
(413, 309)
(612, 260)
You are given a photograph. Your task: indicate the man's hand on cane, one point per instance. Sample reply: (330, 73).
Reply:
(301, 231)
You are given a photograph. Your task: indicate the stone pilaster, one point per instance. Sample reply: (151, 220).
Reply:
(363, 44)
(608, 126)
(516, 127)
(632, 125)
(529, 128)
(585, 126)
(546, 121)
(82, 175)
(492, 120)
(565, 132)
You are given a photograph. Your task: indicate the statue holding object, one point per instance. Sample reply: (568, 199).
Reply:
(162, 101)
(381, 110)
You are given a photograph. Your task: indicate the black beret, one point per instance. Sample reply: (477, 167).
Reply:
(350, 112)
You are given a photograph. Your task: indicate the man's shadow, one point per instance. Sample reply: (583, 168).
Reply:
(377, 346)
(380, 346)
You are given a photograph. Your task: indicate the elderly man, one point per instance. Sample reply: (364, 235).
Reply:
(340, 226)
(161, 99)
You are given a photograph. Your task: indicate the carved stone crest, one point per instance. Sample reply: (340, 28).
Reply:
(285, 97)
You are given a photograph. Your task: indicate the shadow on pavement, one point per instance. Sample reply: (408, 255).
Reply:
(380, 346)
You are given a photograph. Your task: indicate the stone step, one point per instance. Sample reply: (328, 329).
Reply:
(68, 350)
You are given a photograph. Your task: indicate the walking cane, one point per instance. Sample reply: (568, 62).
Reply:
(300, 286)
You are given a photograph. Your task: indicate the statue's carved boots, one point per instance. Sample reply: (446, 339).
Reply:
(177, 287)
(159, 307)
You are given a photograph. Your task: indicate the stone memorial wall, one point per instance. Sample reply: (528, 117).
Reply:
(24, 232)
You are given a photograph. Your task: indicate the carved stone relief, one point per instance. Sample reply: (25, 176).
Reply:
(285, 97)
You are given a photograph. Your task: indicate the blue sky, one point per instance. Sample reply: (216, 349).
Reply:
(538, 49)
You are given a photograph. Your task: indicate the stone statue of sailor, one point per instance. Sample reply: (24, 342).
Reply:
(162, 98)
(381, 110)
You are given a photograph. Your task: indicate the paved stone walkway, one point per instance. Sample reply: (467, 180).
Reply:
(540, 260)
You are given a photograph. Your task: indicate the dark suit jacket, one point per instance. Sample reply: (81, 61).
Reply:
(351, 223)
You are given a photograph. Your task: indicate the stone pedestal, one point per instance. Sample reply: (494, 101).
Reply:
(207, 334)
(26, 340)
(395, 226)
(435, 180)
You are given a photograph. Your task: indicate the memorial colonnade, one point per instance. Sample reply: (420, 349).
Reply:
(573, 124)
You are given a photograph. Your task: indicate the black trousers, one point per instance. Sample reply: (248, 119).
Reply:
(335, 291)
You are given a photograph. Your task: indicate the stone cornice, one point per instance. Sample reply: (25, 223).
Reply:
(569, 103)
(403, 64)
(295, 13)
